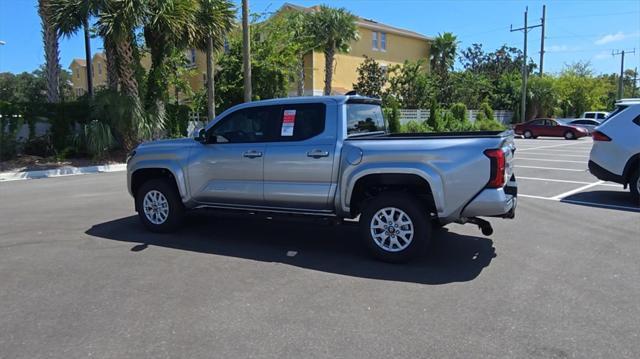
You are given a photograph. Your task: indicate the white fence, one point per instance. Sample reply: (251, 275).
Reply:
(420, 115)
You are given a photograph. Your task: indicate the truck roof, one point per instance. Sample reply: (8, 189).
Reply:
(307, 99)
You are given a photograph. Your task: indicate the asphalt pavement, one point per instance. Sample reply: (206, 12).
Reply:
(81, 278)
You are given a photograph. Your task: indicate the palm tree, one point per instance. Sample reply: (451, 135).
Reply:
(332, 31)
(443, 52)
(214, 19)
(246, 50)
(302, 42)
(170, 25)
(51, 53)
(117, 21)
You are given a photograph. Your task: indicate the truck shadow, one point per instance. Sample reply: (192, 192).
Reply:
(333, 249)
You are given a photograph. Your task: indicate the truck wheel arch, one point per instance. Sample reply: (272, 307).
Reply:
(368, 186)
(142, 175)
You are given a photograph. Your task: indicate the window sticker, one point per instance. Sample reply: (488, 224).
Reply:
(288, 122)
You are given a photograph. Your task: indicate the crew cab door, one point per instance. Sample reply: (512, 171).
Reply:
(228, 168)
(298, 166)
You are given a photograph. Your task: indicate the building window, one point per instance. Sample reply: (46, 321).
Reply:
(379, 41)
(374, 40)
(226, 46)
(78, 74)
(191, 57)
(99, 68)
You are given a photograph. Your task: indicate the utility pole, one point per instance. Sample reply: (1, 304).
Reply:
(635, 81)
(525, 70)
(246, 50)
(621, 79)
(544, 15)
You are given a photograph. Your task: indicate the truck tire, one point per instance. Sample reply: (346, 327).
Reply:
(634, 186)
(159, 206)
(395, 227)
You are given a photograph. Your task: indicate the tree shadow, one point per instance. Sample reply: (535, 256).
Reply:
(318, 246)
(617, 200)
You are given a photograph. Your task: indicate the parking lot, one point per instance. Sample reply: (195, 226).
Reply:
(556, 170)
(82, 278)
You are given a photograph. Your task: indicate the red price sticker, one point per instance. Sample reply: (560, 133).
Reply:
(288, 122)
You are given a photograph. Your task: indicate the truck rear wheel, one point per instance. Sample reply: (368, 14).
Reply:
(395, 227)
(634, 186)
(159, 206)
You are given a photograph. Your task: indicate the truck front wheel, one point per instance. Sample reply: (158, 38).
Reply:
(159, 206)
(395, 227)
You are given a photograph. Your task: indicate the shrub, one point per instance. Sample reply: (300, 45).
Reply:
(487, 111)
(95, 138)
(416, 127)
(9, 127)
(393, 116)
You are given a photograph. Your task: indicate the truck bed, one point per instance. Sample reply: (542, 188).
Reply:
(433, 135)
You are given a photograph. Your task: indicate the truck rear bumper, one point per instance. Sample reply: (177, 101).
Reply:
(493, 202)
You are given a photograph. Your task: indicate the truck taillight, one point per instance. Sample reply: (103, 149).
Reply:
(498, 163)
(599, 136)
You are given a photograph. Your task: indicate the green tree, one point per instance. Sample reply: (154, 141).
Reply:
(170, 25)
(371, 78)
(214, 21)
(333, 30)
(410, 85)
(443, 52)
(542, 96)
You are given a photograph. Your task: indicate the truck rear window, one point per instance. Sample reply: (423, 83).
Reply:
(364, 118)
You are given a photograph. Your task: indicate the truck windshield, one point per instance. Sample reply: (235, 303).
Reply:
(364, 118)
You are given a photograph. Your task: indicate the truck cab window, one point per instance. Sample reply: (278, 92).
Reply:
(243, 126)
(364, 118)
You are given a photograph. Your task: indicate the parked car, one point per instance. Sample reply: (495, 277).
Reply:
(332, 157)
(585, 123)
(615, 154)
(550, 128)
(596, 115)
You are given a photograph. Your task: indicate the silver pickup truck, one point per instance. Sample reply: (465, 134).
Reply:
(331, 157)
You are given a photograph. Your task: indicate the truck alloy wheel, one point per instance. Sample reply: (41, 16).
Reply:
(395, 226)
(392, 229)
(159, 206)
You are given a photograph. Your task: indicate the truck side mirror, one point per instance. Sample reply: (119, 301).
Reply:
(201, 135)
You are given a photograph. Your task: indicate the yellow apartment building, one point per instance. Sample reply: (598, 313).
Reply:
(386, 44)
(79, 73)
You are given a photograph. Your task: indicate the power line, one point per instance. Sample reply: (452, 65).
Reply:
(594, 15)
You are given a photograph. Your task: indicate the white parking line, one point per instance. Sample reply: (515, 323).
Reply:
(577, 190)
(556, 154)
(595, 204)
(536, 148)
(563, 181)
(552, 168)
(547, 160)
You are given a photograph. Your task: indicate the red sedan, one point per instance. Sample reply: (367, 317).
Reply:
(550, 128)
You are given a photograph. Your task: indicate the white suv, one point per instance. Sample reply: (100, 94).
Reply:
(615, 155)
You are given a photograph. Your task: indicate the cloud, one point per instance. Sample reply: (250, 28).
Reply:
(556, 48)
(618, 36)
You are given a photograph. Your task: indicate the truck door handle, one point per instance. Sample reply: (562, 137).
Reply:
(318, 153)
(252, 154)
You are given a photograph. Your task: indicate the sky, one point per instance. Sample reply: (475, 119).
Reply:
(587, 30)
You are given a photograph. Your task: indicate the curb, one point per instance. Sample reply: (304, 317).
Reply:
(62, 171)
